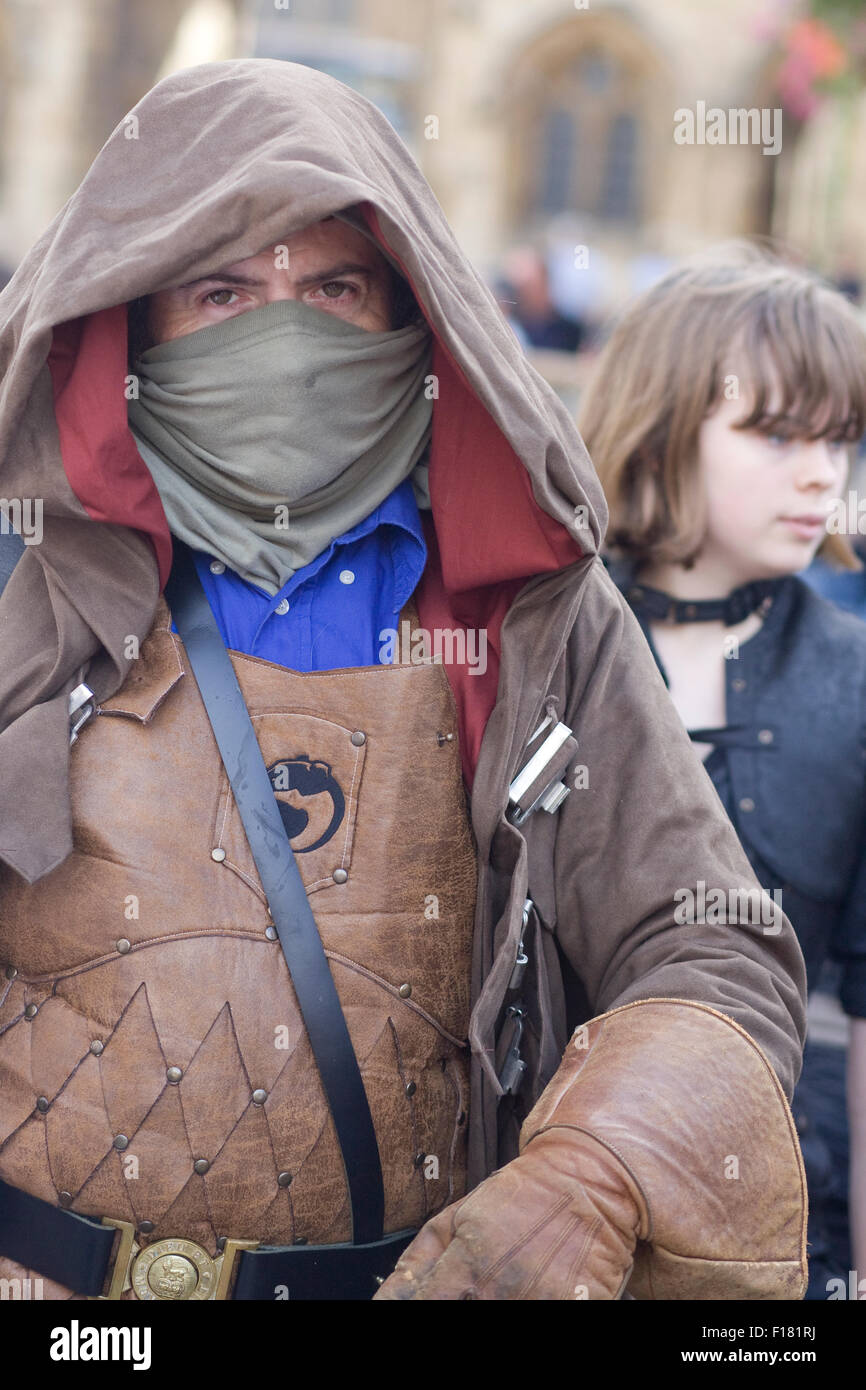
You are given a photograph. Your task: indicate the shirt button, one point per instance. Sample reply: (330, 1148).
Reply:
(347, 576)
(747, 804)
(765, 735)
(739, 683)
(217, 567)
(282, 607)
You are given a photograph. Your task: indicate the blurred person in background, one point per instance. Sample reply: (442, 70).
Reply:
(524, 287)
(721, 418)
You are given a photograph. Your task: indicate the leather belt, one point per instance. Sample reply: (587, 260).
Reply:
(102, 1259)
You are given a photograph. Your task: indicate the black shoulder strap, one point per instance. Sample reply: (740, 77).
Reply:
(287, 898)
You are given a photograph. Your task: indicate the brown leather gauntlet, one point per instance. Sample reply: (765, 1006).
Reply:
(661, 1157)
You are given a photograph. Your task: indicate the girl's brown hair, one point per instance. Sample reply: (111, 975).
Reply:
(736, 318)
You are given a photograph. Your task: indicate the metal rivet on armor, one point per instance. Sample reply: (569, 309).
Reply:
(123, 946)
(31, 1010)
(410, 1088)
(283, 1179)
(738, 683)
(10, 972)
(42, 1104)
(217, 567)
(746, 803)
(218, 855)
(201, 1165)
(358, 738)
(259, 1096)
(271, 933)
(340, 875)
(221, 1242)
(146, 1227)
(404, 991)
(64, 1198)
(173, 1074)
(121, 1142)
(97, 1047)
(765, 735)
(419, 1159)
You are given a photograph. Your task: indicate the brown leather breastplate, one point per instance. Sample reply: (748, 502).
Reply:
(153, 1063)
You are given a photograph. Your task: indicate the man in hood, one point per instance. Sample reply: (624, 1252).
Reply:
(248, 360)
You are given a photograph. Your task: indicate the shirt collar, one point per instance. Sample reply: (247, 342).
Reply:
(398, 509)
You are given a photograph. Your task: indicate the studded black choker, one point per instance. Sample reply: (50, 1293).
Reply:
(654, 603)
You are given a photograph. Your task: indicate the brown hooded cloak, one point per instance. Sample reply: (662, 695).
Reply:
(218, 162)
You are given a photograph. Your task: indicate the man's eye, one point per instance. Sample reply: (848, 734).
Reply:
(338, 285)
(214, 298)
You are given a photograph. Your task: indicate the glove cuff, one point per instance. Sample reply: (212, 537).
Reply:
(691, 1107)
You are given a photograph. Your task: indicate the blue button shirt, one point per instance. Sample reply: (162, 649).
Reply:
(331, 611)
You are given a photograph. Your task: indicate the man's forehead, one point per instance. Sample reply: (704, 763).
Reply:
(307, 247)
(323, 236)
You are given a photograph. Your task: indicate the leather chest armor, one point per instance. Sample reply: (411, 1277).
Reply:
(153, 1063)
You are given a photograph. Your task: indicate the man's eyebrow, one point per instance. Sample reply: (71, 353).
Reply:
(343, 268)
(234, 278)
(231, 276)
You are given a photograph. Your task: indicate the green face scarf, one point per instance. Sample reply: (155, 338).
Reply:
(279, 429)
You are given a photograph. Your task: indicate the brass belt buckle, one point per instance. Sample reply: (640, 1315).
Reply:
(171, 1270)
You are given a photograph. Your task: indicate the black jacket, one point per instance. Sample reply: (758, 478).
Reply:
(790, 770)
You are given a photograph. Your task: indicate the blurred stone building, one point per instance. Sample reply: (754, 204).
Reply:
(550, 122)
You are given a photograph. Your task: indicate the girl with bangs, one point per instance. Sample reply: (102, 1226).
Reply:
(722, 417)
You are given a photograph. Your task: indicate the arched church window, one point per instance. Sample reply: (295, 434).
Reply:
(559, 141)
(582, 146)
(620, 169)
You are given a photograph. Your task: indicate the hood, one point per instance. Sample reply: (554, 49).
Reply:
(212, 165)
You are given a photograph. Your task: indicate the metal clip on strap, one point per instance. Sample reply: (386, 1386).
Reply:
(535, 787)
(511, 1073)
(82, 703)
(522, 960)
